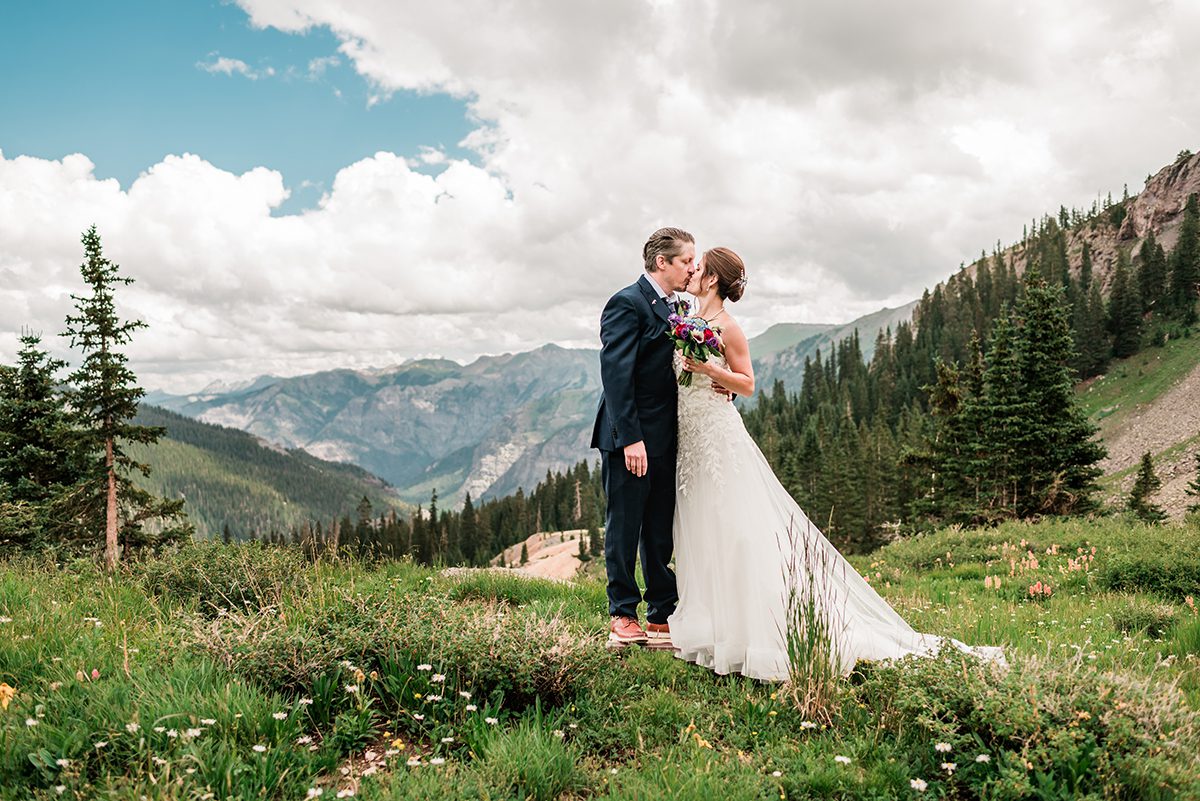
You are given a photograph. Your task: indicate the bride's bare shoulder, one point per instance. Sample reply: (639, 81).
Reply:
(731, 328)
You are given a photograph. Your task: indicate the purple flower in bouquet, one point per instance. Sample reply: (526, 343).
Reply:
(695, 338)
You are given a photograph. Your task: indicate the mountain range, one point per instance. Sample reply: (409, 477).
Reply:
(486, 428)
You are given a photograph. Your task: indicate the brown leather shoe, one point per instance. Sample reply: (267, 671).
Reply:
(623, 631)
(658, 635)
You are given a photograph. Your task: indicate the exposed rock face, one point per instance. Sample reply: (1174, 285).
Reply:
(488, 427)
(1159, 205)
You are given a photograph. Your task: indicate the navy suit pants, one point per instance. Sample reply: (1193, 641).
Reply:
(641, 512)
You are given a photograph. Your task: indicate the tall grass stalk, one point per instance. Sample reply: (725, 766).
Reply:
(815, 621)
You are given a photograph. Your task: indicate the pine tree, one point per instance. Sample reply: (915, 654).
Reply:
(38, 453)
(524, 553)
(595, 542)
(1062, 472)
(1185, 264)
(1152, 274)
(1146, 484)
(105, 397)
(1124, 311)
(1193, 487)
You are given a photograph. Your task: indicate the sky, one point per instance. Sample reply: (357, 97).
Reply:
(297, 185)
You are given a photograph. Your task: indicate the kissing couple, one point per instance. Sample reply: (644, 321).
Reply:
(683, 477)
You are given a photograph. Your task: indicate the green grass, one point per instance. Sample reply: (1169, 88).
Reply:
(247, 672)
(1136, 381)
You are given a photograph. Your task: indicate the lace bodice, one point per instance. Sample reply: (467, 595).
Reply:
(709, 424)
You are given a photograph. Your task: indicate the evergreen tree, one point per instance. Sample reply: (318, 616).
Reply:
(1062, 473)
(1146, 484)
(105, 397)
(1185, 264)
(1152, 274)
(1193, 488)
(38, 455)
(1124, 311)
(524, 553)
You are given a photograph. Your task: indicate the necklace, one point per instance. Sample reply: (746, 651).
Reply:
(715, 316)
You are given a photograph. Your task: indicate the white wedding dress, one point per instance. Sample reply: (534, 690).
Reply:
(735, 559)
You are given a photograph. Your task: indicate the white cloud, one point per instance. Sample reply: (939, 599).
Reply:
(221, 65)
(853, 152)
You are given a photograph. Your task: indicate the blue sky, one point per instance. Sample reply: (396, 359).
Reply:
(121, 83)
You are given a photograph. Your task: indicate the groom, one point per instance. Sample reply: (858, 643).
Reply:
(635, 432)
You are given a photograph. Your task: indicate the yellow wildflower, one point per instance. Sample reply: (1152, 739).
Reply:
(6, 695)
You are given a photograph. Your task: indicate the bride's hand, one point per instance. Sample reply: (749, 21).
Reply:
(693, 366)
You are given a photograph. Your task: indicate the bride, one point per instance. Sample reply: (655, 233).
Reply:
(744, 550)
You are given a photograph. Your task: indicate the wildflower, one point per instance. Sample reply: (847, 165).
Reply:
(172, 733)
(437, 678)
(191, 733)
(559, 733)
(424, 667)
(60, 789)
(918, 784)
(159, 729)
(464, 694)
(190, 771)
(304, 739)
(433, 698)
(101, 744)
(418, 696)
(471, 708)
(613, 771)
(305, 702)
(414, 761)
(418, 717)
(845, 760)
(447, 739)
(943, 748)
(807, 724)
(345, 793)
(55, 686)
(132, 728)
(259, 748)
(314, 792)
(491, 721)
(280, 716)
(398, 743)
(95, 674)
(983, 758)
(63, 763)
(437, 761)
(352, 688)
(572, 725)
(159, 760)
(30, 722)
(776, 773)
(6, 695)
(5, 620)
(949, 767)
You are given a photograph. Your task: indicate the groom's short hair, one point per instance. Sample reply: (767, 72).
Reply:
(665, 242)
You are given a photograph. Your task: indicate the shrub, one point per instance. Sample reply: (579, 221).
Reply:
(214, 576)
(1140, 616)
(1170, 572)
(1047, 729)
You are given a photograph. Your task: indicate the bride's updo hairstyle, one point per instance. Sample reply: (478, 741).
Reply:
(665, 242)
(730, 271)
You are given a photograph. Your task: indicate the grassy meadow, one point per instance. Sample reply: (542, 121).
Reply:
(246, 672)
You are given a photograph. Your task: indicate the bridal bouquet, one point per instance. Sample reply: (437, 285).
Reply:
(695, 338)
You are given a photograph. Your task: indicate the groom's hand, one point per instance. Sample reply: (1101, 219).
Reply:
(720, 390)
(635, 458)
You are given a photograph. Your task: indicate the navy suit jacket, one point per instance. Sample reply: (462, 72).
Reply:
(638, 403)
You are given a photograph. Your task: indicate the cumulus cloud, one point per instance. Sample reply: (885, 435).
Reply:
(853, 152)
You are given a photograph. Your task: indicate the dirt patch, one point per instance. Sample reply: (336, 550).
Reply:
(552, 555)
(1170, 420)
